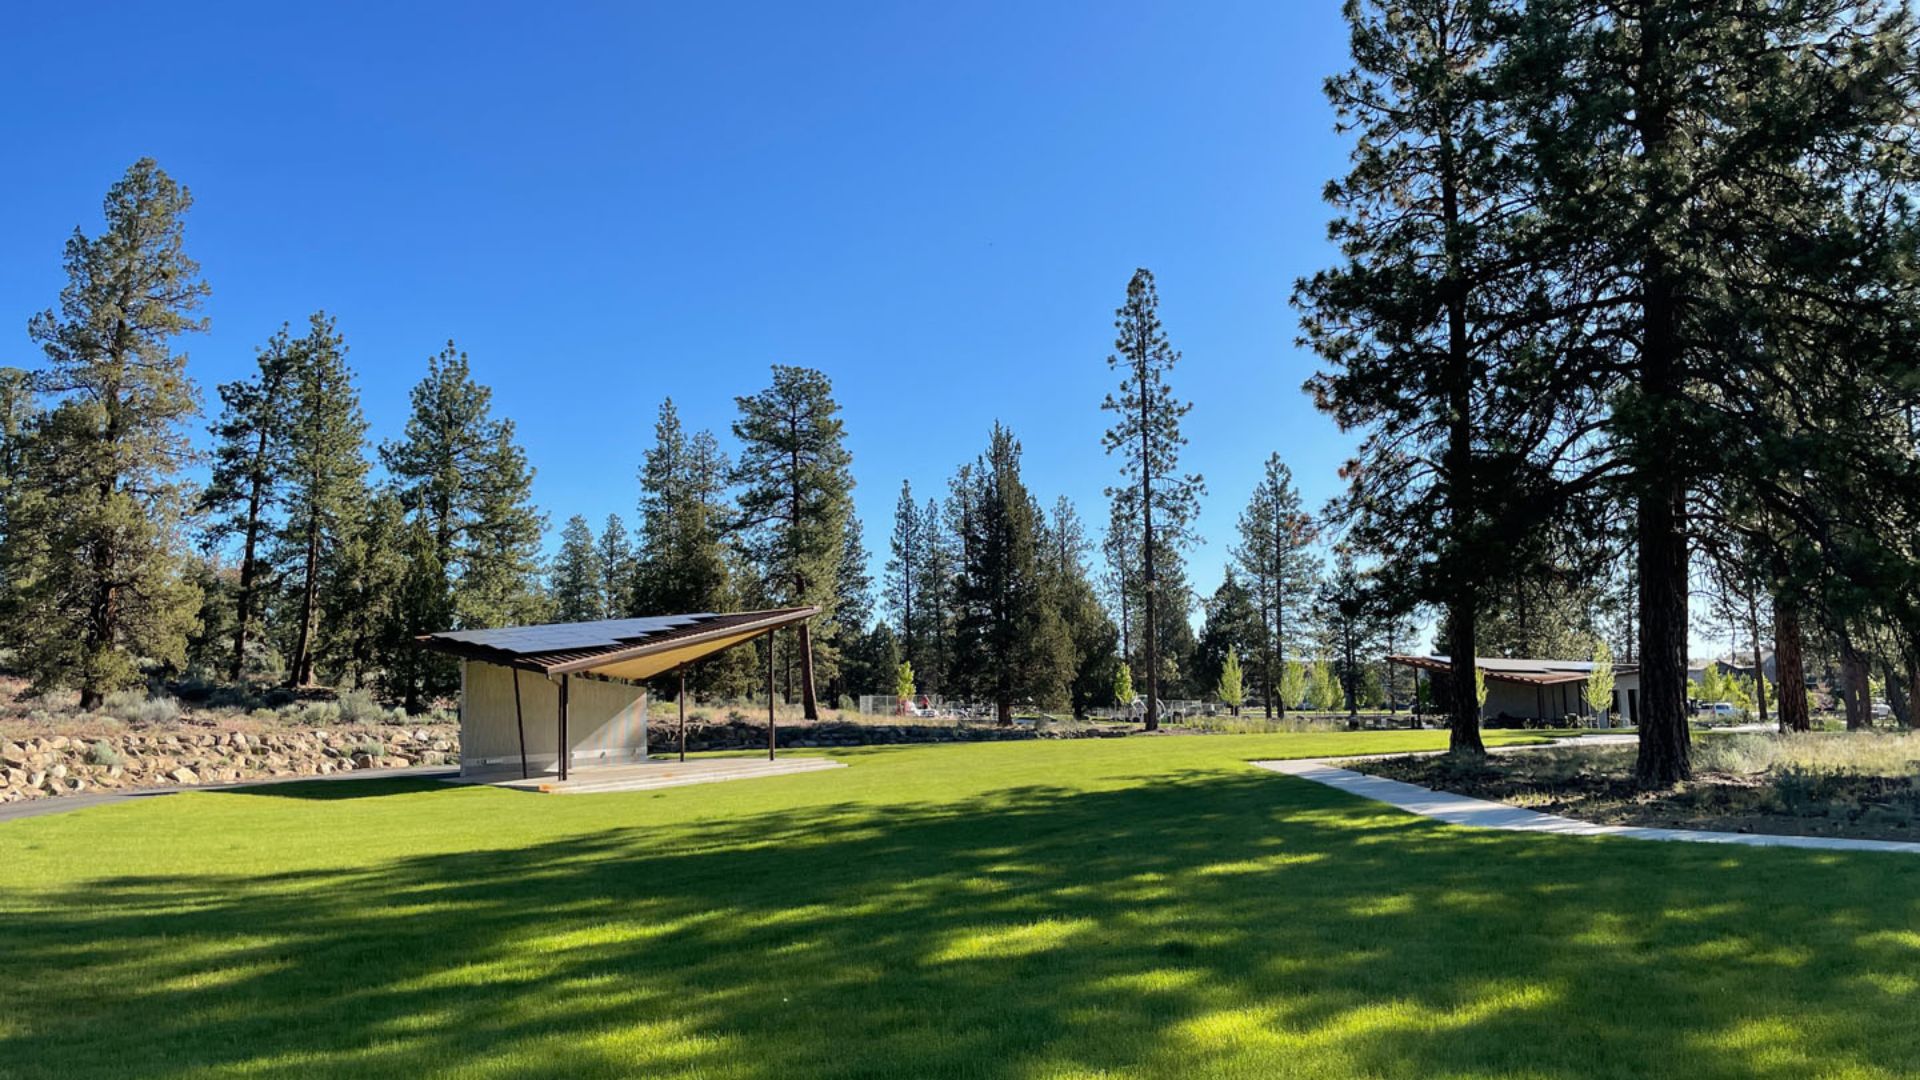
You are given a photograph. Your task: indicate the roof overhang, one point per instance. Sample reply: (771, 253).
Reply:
(1541, 677)
(637, 657)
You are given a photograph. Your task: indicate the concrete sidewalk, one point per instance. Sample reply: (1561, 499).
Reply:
(1481, 814)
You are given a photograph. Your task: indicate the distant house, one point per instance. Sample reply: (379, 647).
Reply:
(1741, 663)
(1524, 689)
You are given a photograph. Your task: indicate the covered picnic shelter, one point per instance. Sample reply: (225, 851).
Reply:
(556, 696)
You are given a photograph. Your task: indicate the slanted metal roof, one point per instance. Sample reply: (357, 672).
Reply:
(1518, 669)
(557, 648)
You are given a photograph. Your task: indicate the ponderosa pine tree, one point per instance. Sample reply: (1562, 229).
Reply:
(1275, 557)
(324, 491)
(1713, 171)
(796, 495)
(1350, 621)
(366, 577)
(616, 567)
(1093, 641)
(424, 604)
(1146, 433)
(249, 467)
(1426, 322)
(853, 616)
(94, 552)
(459, 469)
(1011, 646)
(680, 564)
(939, 565)
(1119, 580)
(577, 578)
(906, 562)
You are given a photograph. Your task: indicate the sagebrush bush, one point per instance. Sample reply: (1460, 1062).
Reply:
(314, 713)
(103, 754)
(139, 707)
(359, 707)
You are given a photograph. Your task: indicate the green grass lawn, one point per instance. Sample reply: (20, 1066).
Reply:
(1129, 907)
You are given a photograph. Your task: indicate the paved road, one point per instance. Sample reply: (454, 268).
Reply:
(61, 804)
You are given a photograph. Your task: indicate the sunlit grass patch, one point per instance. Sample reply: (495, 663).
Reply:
(1114, 908)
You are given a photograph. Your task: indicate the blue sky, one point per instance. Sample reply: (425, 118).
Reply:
(606, 205)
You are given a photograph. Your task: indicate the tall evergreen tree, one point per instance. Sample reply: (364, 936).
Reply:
(796, 495)
(1013, 648)
(94, 553)
(1429, 323)
(1275, 558)
(577, 575)
(1093, 642)
(680, 564)
(616, 567)
(460, 471)
(325, 488)
(1711, 160)
(939, 566)
(500, 559)
(1146, 432)
(361, 607)
(906, 562)
(424, 604)
(249, 466)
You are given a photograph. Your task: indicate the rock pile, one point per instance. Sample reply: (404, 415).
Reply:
(61, 765)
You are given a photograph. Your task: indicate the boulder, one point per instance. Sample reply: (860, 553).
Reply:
(184, 775)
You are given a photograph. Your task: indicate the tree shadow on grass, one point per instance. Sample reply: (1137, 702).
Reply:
(345, 787)
(1220, 924)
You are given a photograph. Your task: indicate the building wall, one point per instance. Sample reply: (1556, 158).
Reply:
(607, 722)
(1525, 700)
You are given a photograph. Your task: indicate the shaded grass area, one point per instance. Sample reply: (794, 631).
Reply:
(1063, 909)
(1859, 785)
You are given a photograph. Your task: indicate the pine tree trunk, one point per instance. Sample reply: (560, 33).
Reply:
(1280, 648)
(1666, 749)
(1913, 682)
(1759, 667)
(301, 672)
(1790, 664)
(243, 599)
(1666, 752)
(1896, 692)
(1152, 582)
(1854, 689)
(1463, 696)
(810, 704)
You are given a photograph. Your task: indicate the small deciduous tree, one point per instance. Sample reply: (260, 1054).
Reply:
(903, 688)
(1598, 691)
(1230, 690)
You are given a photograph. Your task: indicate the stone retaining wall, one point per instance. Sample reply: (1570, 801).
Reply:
(61, 765)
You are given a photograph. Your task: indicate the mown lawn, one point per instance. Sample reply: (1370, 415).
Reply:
(1136, 907)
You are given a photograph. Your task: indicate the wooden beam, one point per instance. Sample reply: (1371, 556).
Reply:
(519, 723)
(683, 712)
(566, 747)
(769, 695)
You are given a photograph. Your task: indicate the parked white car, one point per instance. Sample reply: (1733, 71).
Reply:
(1882, 710)
(1721, 710)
